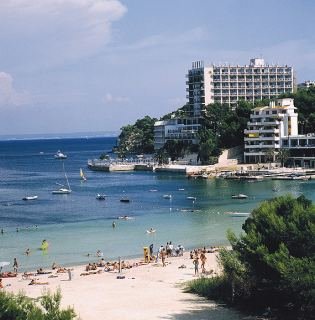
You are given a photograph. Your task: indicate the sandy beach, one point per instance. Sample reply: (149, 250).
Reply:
(148, 291)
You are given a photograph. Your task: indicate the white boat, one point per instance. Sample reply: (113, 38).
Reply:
(60, 155)
(167, 196)
(191, 198)
(153, 190)
(151, 230)
(30, 198)
(239, 196)
(181, 189)
(100, 196)
(125, 218)
(82, 176)
(63, 189)
(238, 214)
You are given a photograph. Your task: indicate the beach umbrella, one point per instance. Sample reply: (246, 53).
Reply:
(3, 264)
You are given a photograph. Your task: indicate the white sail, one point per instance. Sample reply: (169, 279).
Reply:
(82, 176)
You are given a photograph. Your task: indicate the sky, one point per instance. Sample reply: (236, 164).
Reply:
(97, 65)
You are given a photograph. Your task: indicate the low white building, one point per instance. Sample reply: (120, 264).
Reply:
(184, 130)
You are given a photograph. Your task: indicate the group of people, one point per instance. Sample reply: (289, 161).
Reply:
(199, 258)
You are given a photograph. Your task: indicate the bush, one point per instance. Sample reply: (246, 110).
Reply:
(21, 307)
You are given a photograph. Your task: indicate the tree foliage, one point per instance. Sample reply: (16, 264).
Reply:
(222, 128)
(273, 263)
(137, 138)
(21, 307)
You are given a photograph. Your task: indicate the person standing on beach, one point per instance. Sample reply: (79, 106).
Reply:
(203, 259)
(113, 224)
(196, 264)
(15, 265)
(151, 249)
(163, 255)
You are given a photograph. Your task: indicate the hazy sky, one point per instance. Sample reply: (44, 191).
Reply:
(96, 65)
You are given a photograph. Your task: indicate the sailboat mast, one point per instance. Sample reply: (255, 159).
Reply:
(66, 177)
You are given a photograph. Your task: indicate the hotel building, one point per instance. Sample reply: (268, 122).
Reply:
(223, 84)
(275, 127)
(229, 84)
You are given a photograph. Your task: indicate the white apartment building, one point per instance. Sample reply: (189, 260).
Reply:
(267, 127)
(175, 129)
(228, 83)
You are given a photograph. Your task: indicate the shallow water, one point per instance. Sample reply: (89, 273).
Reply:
(77, 224)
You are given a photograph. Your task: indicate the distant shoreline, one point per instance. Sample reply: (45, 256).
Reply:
(61, 136)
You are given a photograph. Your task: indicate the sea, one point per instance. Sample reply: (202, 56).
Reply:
(77, 225)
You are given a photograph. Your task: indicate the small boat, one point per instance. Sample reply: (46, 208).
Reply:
(153, 190)
(126, 200)
(30, 198)
(125, 218)
(100, 196)
(238, 214)
(181, 189)
(239, 196)
(82, 176)
(167, 196)
(204, 176)
(60, 155)
(151, 230)
(63, 190)
(191, 198)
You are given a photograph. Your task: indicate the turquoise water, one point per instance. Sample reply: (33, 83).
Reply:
(77, 224)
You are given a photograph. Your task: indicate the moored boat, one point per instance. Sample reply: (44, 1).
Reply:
(30, 198)
(60, 155)
(100, 197)
(239, 196)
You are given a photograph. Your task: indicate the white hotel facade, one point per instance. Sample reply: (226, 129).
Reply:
(275, 127)
(224, 84)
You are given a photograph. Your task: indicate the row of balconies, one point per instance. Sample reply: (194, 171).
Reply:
(252, 71)
(262, 146)
(227, 79)
(262, 130)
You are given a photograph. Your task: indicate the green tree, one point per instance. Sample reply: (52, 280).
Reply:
(283, 156)
(278, 252)
(21, 307)
(137, 138)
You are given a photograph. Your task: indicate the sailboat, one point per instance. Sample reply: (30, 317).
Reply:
(82, 176)
(63, 189)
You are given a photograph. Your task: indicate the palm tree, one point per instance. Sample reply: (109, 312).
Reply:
(270, 156)
(282, 156)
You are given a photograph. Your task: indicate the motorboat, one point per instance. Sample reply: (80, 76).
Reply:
(30, 198)
(167, 196)
(239, 196)
(60, 155)
(125, 200)
(238, 214)
(151, 230)
(100, 196)
(191, 198)
(125, 218)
